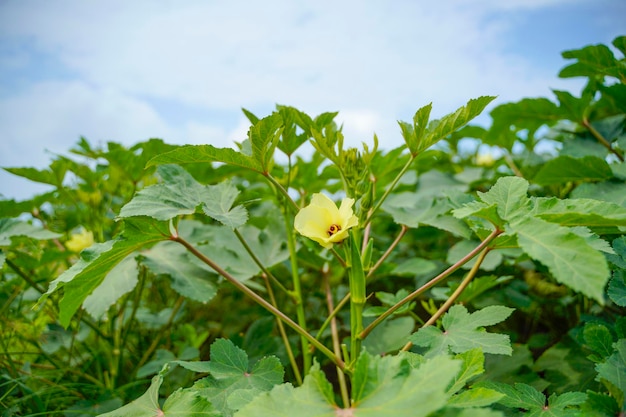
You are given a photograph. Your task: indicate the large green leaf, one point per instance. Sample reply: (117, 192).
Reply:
(565, 169)
(120, 280)
(181, 403)
(206, 154)
(96, 262)
(464, 331)
(15, 227)
(413, 209)
(181, 194)
(421, 136)
(264, 136)
(525, 397)
(592, 60)
(232, 383)
(218, 204)
(568, 256)
(580, 212)
(383, 387)
(311, 399)
(614, 369)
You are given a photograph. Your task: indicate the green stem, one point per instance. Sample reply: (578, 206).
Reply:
(390, 188)
(261, 301)
(598, 136)
(455, 295)
(357, 299)
(283, 334)
(334, 313)
(297, 296)
(341, 377)
(432, 282)
(282, 190)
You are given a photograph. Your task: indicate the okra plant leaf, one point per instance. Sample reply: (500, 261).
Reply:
(592, 60)
(614, 369)
(525, 397)
(206, 154)
(617, 288)
(580, 212)
(120, 280)
(464, 331)
(182, 402)
(97, 261)
(312, 399)
(218, 204)
(179, 194)
(568, 256)
(264, 136)
(231, 382)
(564, 169)
(383, 387)
(13, 227)
(188, 278)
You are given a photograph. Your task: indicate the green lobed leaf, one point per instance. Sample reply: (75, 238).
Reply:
(218, 204)
(120, 280)
(14, 227)
(614, 192)
(308, 400)
(464, 331)
(179, 194)
(580, 212)
(475, 397)
(564, 169)
(417, 393)
(473, 366)
(614, 369)
(592, 60)
(206, 154)
(528, 113)
(599, 339)
(264, 136)
(568, 256)
(617, 288)
(182, 402)
(97, 261)
(232, 383)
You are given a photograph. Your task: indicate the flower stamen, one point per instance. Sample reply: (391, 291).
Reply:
(334, 228)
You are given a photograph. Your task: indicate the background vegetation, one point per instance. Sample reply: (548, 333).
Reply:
(84, 333)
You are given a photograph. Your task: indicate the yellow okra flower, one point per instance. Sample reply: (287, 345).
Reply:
(323, 222)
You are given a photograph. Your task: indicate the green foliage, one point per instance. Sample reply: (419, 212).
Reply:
(464, 331)
(182, 262)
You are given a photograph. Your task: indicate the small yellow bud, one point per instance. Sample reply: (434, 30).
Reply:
(80, 241)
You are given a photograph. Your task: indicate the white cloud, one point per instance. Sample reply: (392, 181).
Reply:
(375, 62)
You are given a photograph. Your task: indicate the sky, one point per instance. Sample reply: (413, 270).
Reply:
(126, 71)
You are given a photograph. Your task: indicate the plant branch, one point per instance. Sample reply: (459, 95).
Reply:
(598, 136)
(431, 283)
(336, 345)
(261, 301)
(390, 188)
(455, 295)
(283, 334)
(388, 251)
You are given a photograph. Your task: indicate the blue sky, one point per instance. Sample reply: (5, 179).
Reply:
(126, 71)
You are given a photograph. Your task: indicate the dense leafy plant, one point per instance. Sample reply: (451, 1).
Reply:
(228, 281)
